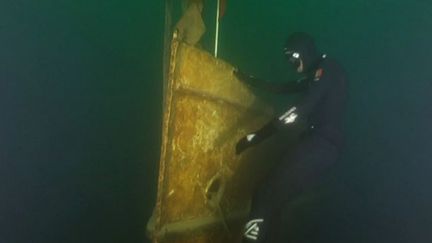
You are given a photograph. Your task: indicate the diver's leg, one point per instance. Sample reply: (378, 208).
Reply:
(256, 227)
(306, 173)
(266, 202)
(296, 174)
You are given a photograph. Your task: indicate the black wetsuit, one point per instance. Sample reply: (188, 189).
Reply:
(322, 108)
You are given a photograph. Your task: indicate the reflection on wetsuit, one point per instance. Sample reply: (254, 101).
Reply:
(322, 108)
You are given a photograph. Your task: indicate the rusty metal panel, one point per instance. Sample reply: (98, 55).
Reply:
(204, 188)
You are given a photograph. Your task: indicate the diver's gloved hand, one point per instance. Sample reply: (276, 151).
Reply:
(258, 136)
(244, 77)
(246, 142)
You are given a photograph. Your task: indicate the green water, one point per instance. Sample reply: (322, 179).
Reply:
(80, 95)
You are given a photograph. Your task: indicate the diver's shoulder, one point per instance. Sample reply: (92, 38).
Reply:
(333, 64)
(330, 61)
(333, 70)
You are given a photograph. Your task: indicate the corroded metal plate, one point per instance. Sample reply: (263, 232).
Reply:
(204, 188)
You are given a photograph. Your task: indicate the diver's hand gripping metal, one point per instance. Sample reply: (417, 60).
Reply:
(246, 142)
(257, 137)
(285, 120)
(244, 77)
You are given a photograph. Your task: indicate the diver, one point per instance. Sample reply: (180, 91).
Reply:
(321, 109)
(191, 26)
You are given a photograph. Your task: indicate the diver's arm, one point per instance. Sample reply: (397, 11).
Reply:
(256, 137)
(285, 120)
(277, 88)
(291, 117)
(318, 89)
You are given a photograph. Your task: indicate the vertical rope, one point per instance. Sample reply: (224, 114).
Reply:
(217, 29)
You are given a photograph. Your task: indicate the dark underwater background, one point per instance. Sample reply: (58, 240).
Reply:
(81, 107)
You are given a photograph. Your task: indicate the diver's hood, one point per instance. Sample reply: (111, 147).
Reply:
(300, 45)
